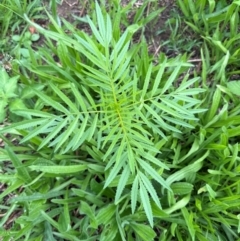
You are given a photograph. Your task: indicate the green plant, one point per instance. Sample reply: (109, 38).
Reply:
(23, 43)
(12, 21)
(18, 8)
(217, 23)
(105, 112)
(105, 142)
(180, 39)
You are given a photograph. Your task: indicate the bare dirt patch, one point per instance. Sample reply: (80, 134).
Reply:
(66, 9)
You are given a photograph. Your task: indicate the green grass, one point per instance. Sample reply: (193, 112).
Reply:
(103, 140)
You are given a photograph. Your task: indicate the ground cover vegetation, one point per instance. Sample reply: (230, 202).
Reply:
(116, 125)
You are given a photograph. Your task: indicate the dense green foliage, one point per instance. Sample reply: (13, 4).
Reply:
(104, 141)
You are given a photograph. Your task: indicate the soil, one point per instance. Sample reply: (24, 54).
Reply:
(157, 39)
(66, 9)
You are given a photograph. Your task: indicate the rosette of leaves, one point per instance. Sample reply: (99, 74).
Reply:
(106, 97)
(24, 42)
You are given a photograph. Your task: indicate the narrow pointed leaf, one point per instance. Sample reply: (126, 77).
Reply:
(154, 160)
(109, 30)
(185, 85)
(36, 113)
(66, 100)
(101, 22)
(89, 97)
(59, 169)
(119, 45)
(95, 31)
(146, 82)
(24, 125)
(146, 203)
(49, 101)
(158, 78)
(54, 132)
(79, 97)
(173, 77)
(192, 168)
(153, 174)
(131, 158)
(66, 134)
(175, 106)
(93, 127)
(150, 189)
(20, 168)
(168, 110)
(121, 56)
(122, 183)
(79, 133)
(40, 129)
(134, 194)
(113, 173)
